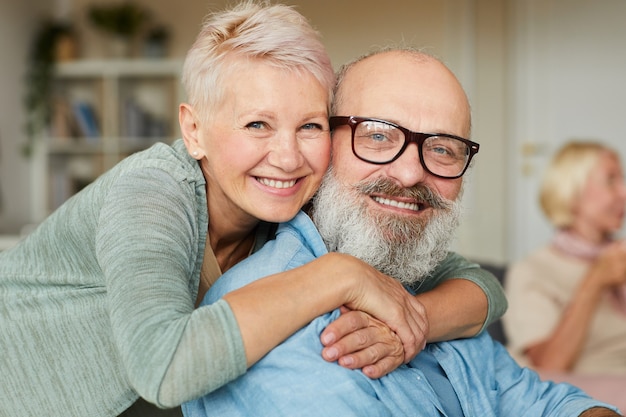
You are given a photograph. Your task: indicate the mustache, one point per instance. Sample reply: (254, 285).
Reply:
(418, 192)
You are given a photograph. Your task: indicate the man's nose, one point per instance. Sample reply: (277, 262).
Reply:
(285, 152)
(408, 169)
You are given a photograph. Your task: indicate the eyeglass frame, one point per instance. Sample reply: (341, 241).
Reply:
(409, 137)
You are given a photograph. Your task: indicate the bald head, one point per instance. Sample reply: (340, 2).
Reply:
(408, 87)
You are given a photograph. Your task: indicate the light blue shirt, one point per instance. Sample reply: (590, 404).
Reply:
(293, 379)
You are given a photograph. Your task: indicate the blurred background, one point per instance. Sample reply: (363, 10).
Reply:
(84, 83)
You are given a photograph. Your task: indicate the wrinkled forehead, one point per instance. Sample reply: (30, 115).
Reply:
(417, 92)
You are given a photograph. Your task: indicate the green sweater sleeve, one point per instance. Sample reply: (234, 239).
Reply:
(454, 266)
(149, 244)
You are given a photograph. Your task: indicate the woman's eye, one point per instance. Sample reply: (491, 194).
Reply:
(311, 131)
(256, 125)
(312, 126)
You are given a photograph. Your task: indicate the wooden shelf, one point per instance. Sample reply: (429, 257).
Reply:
(103, 111)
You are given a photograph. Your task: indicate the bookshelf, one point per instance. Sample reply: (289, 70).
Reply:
(103, 111)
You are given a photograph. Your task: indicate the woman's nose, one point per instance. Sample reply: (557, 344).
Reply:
(285, 152)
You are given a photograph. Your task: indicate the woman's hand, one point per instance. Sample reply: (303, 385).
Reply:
(609, 269)
(600, 412)
(356, 340)
(384, 299)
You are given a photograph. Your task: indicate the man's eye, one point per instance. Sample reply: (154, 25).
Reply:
(440, 150)
(378, 137)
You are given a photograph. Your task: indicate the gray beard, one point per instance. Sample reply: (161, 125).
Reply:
(402, 247)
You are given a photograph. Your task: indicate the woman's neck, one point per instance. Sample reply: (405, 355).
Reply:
(579, 245)
(230, 252)
(589, 234)
(231, 232)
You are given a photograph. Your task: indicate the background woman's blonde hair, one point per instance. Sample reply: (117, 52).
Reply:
(566, 177)
(274, 34)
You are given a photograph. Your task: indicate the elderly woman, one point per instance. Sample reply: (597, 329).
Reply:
(98, 304)
(567, 311)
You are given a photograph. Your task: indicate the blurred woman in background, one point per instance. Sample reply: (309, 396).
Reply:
(567, 300)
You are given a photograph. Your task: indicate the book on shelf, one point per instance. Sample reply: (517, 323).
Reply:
(86, 118)
(140, 127)
(63, 124)
(76, 119)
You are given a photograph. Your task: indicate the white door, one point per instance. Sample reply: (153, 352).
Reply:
(568, 64)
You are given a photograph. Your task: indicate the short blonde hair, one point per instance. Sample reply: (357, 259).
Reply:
(273, 34)
(566, 177)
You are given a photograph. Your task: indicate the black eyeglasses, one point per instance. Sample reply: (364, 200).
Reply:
(381, 142)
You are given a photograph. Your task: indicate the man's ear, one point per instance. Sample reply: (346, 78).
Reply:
(190, 130)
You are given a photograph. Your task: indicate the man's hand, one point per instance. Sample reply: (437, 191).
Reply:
(600, 412)
(387, 300)
(357, 340)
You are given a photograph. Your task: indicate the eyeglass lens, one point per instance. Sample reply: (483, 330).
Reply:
(379, 142)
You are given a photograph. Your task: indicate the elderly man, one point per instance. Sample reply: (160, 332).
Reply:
(391, 199)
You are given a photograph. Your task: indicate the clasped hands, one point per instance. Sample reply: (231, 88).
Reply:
(357, 340)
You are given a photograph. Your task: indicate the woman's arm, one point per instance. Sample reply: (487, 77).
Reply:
(307, 292)
(560, 351)
(463, 299)
(222, 339)
(456, 309)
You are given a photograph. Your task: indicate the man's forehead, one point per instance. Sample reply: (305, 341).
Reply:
(420, 93)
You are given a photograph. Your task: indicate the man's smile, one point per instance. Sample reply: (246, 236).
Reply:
(399, 204)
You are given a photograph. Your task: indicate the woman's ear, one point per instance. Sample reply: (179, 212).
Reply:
(190, 131)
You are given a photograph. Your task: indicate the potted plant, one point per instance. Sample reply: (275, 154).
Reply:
(122, 21)
(38, 82)
(155, 42)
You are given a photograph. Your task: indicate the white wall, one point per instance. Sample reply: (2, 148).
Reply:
(467, 34)
(484, 233)
(18, 20)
